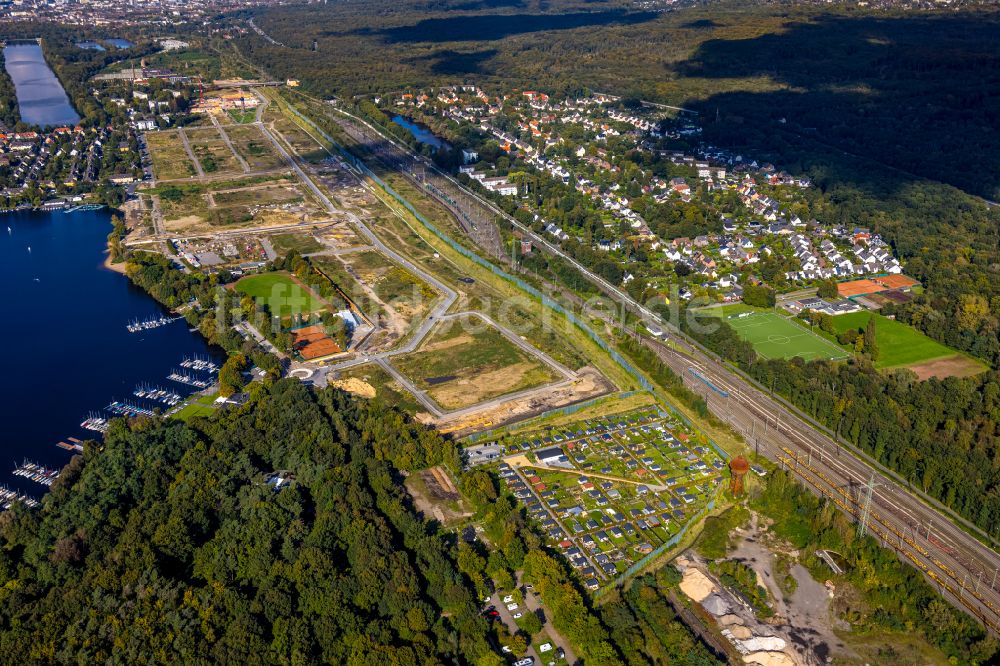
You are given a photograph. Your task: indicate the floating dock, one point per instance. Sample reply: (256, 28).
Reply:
(37, 473)
(137, 326)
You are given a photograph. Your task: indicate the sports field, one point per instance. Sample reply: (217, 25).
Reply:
(281, 294)
(898, 344)
(774, 336)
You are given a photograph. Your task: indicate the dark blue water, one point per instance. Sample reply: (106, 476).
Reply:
(421, 134)
(63, 341)
(40, 97)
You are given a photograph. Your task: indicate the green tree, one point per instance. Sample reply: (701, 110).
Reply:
(231, 375)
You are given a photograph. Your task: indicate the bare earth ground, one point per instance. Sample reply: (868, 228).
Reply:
(953, 366)
(468, 391)
(805, 616)
(435, 495)
(354, 385)
(588, 384)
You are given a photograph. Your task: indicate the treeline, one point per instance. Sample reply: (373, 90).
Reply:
(10, 115)
(74, 66)
(185, 552)
(200, 295)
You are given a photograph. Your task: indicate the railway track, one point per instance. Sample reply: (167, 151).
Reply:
(944, 576)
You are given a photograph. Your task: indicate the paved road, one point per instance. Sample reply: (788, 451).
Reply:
(508, 619)
(225, 137)
(964, 568)
(190, 153)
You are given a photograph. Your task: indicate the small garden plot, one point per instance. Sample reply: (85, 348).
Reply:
(212, 152)
(460, 367)
(284, 296)
(255, 148)
(170, 160)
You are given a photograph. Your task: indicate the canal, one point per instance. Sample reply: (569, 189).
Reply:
(65, 349)
(420, 133)
(40, 97)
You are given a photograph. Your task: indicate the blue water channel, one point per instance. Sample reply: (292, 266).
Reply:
(40, 97)
(65, 349)
(421, 134)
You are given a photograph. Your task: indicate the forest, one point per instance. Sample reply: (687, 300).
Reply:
(174, 543)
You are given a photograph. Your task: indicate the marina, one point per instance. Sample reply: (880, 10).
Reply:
(157, 394)
(122, 408)
(137, 326)
(198, 363)
(49, 416)
(187, 378)
(8, 497)
(95, 423)
(73, 444)
(37, 473)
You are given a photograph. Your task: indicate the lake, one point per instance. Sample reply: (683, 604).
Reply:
(93, 46)
(119, 43)
(40, 97)
(420, 133)
(66, 350)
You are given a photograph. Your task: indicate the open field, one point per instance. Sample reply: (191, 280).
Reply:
(774, 336)
(242, 117)
(170, 161)
(239, 203)
(460, 367)
(384, 292)
(203, 405)
(212, 152)
(480, 290)
(281, 293)
(362, 379)
(901, 345)
(251, 144)
(303, 243)
(295, 137)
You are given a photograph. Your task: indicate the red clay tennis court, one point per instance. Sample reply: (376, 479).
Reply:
(858, 288)
(896, 281)
(311, 342)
